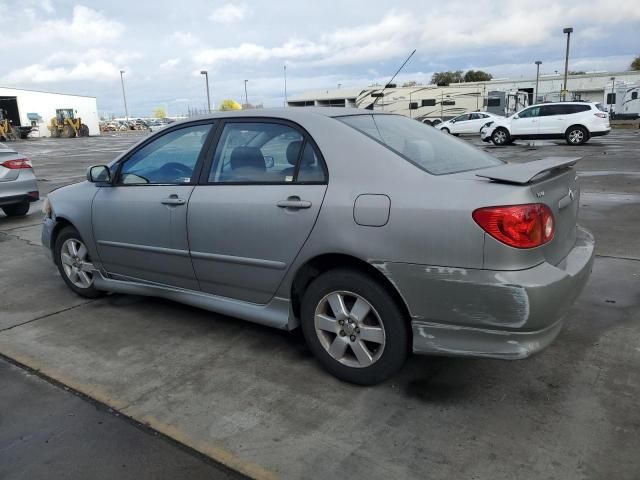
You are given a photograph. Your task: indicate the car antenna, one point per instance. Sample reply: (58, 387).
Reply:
(380, 95)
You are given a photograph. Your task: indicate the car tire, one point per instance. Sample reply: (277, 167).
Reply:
(576, 135)
(374, 340)
(445, 130)
(17, 209)
(500, 136)
(70, 268)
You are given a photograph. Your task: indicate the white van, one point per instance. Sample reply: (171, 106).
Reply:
(576, 122)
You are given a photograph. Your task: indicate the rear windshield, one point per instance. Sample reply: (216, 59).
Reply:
(424, 146)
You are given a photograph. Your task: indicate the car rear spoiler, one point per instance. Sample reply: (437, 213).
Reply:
(523, 173)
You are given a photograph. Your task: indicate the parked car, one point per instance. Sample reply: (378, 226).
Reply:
(467, 124)
(18, 185)
(576, 122)
(377, 234)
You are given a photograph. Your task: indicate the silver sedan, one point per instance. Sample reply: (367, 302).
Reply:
(376, 234)
(18, 184)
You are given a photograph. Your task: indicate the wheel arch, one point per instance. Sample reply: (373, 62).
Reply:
(320, 264)
(61, 223)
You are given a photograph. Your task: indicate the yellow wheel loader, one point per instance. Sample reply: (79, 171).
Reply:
(8, 132)
(66, 125)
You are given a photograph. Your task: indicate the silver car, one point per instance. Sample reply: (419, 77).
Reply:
(376, 234)
(18, 184)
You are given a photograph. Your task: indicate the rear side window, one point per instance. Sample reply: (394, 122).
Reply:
(425, 147)
(601, 107)
(263, 152)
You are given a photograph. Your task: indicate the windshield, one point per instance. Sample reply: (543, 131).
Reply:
(424, 146)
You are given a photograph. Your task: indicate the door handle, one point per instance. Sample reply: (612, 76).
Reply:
(173, 200)
(293, 202)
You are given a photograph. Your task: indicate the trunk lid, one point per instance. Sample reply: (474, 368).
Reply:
(552, 181)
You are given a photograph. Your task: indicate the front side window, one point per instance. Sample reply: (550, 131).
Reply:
(169, 159)
(262, 152)
(420, 144)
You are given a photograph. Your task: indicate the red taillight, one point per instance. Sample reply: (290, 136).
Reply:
(601, 115)
(17, 163)
(519, 226)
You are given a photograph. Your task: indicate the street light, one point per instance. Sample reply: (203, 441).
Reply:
(246, 99)
(206, 80)
(126, 111)
(286, 103)
(538, 63)
(568, 31)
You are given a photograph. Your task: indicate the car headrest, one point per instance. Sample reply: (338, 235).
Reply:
(293, 150)
(247, 157)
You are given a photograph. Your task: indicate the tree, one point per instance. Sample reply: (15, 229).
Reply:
(159, 112)
(635, 65)
(229, 104)
(477, 76)
(442, 79)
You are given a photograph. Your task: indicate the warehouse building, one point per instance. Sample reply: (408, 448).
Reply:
(35, 109)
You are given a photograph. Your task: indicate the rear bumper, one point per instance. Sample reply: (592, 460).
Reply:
(485, 313)
(33, 196)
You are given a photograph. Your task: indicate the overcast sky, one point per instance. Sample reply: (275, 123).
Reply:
(71, 47)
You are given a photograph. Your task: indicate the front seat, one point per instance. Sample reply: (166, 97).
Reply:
(247, 164)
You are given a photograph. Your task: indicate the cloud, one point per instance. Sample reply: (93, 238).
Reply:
(229, 13)
(86, 27)
(98, 71)
(170, 64)
(185, 39)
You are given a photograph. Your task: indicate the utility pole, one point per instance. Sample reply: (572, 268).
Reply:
(206, 80)
(568, 31)
(246, 98)
(124, 96)
(538, 63)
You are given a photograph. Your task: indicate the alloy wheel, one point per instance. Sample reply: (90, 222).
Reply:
(576, 136)
(349, 329)
(76, 263)
(500, 137)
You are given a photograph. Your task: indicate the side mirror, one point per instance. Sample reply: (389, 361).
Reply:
(515, 117)
(99, 174)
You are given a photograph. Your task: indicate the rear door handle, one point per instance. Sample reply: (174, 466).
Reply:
(293, 202)
(173, 200)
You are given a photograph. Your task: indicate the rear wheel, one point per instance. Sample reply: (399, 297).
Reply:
(576, 135)
(354, 327)
(500, 137)
(16, 210)
(74, 263)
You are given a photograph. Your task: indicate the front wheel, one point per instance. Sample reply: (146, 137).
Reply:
(576, 135)
(84, 130)
(500, 137)
(354, 327)
(74, 263)
(445, 130)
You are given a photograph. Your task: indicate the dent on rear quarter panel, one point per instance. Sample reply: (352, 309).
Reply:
(448, 295)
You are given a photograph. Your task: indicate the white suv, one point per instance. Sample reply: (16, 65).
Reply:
(576, 122)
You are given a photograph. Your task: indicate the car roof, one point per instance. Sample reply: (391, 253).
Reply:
(564, 103)
(290, 113)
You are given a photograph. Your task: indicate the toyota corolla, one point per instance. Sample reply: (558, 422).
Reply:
(376, 234)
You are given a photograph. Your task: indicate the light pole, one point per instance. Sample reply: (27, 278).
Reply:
(124, 97)
(538, 63)
(613, 94)
(568, 31)
(246, 98)
(286, 103)
(206, 80)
